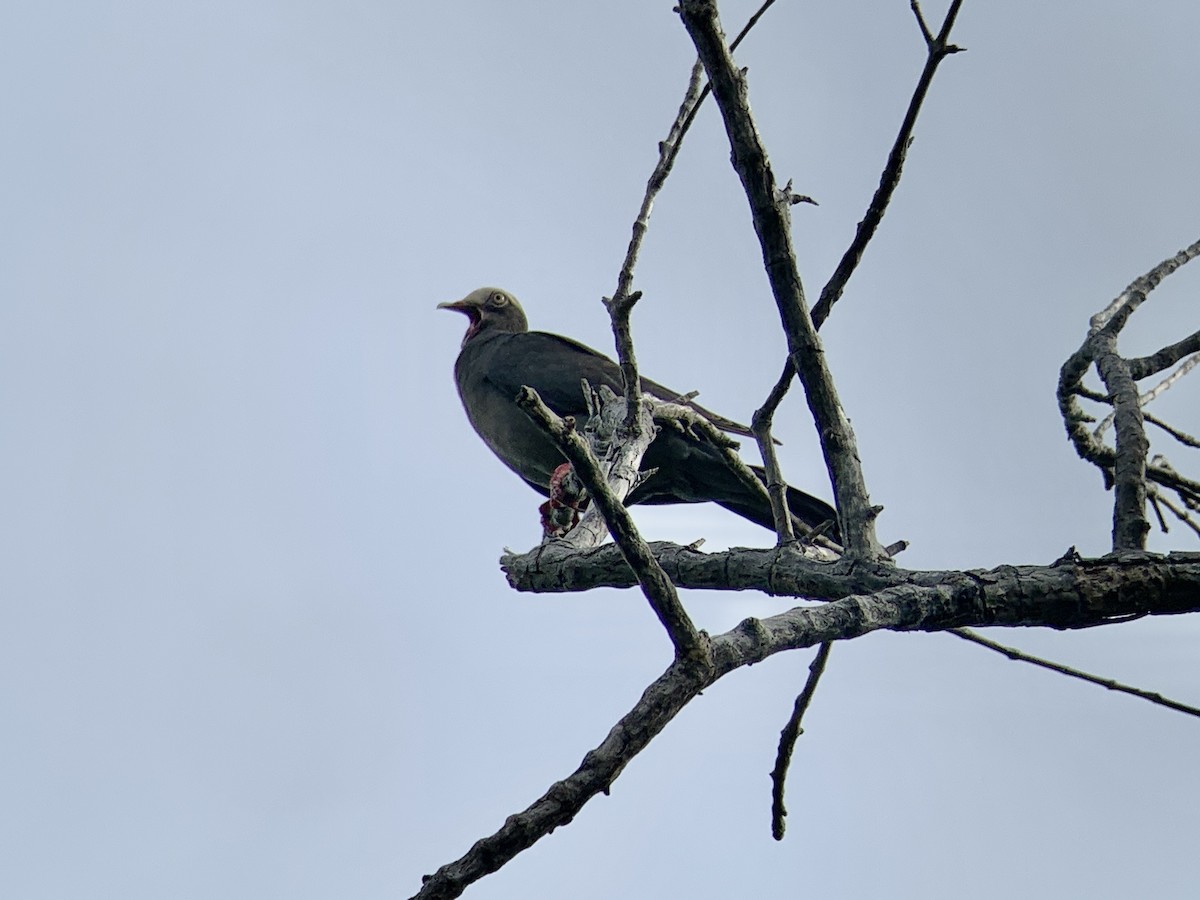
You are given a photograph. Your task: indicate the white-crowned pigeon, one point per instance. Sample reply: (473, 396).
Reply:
(500, 354)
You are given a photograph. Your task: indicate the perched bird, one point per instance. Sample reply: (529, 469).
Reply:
(500, 354)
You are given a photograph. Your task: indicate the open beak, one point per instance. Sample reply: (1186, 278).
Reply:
(471, 311)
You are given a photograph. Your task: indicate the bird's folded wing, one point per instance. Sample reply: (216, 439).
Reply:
(554, 366)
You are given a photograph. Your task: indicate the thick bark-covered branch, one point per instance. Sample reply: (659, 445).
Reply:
(783, 571)
(1147, 397)
(769, 209)
(786, 572)
(938, 48)
(1130, 525)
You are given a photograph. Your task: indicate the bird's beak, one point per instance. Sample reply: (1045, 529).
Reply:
(468, 309)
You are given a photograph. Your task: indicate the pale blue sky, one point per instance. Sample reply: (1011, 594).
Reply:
(254, 641)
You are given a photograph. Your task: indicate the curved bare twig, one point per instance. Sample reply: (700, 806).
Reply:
(787, 739)
(1125, 464)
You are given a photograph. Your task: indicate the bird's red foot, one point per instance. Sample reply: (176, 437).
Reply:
(567, 497)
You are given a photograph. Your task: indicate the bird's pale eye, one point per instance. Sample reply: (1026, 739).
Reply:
(499, 299)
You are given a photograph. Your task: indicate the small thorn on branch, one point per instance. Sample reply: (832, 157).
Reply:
(785, 197)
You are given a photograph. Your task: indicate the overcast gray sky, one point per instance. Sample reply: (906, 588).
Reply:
(254, 641)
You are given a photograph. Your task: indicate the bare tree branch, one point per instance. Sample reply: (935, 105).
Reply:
(1130, 525)
(772, 223)
(967, 635)
(1147, 397)
(1126, 464)
(938, 49)
(1094, 451)
(761, 426)
(668, 151)
(1143, 366)
(1182, 436)
(781, 571)
(787, 739)
(620, 307)
(1181, 514)
(1163, 386)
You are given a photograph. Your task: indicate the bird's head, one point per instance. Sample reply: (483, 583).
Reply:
(489, 309)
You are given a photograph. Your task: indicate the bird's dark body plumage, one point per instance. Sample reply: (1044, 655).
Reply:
(499, 355)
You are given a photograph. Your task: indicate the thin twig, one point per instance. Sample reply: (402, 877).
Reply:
(1182, 436)
(787, 739)
(619, 309)
(1152, 495)
(938, 49)
(672, 146)
(760, 425)
(776, 485)
(967, 635)
(1153, 393)
(1181, 514)
(621, 303)
(1163, 386)
(668, 152)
